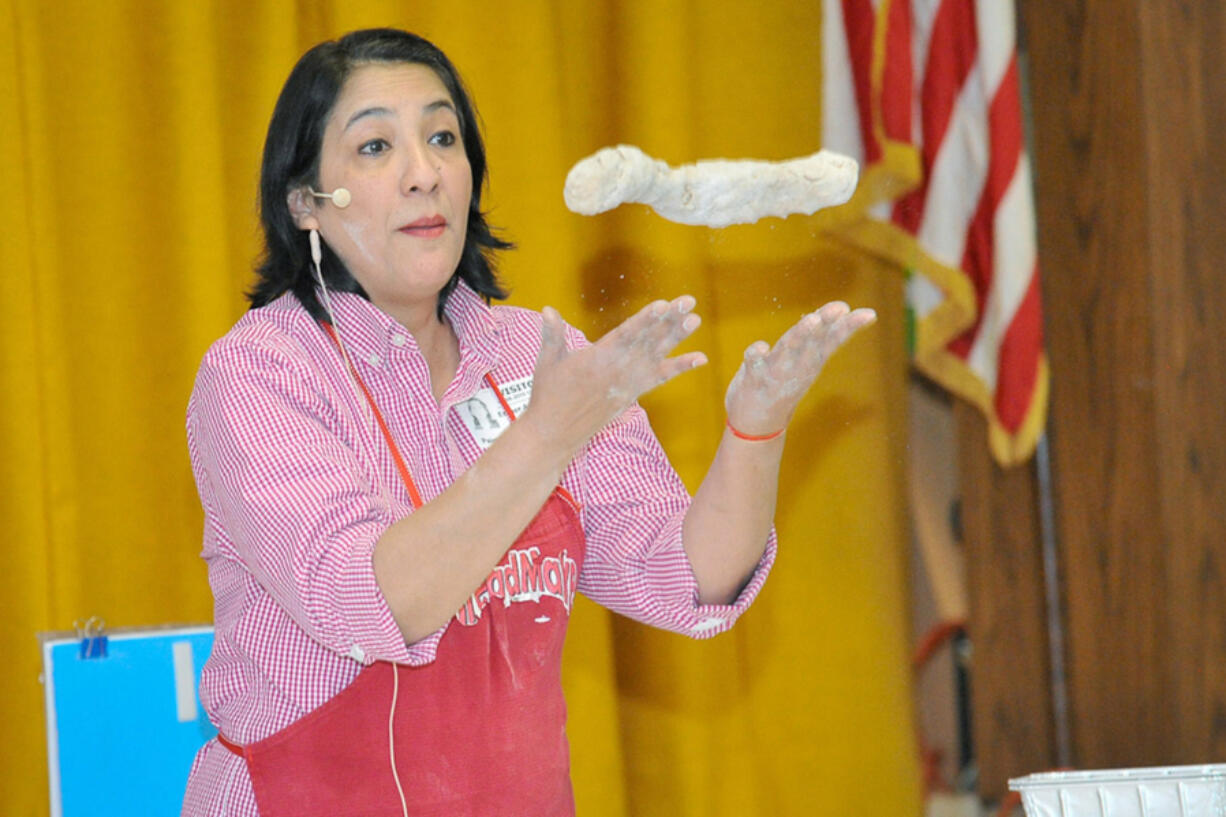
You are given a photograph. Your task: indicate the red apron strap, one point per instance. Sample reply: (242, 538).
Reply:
(489, 378)
(233, 747)
(405, 476)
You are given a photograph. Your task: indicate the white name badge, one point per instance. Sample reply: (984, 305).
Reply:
(484, 415)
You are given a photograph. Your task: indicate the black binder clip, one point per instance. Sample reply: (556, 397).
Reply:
(93, 638)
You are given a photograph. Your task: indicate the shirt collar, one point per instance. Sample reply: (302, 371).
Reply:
(371, 335)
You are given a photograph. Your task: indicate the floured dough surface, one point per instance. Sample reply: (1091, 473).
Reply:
(715, 192)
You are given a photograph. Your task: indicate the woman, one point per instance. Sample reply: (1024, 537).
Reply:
(392, 574)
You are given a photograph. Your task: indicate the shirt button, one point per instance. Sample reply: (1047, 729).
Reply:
(374, 360)
(398, 340)
(706, 624)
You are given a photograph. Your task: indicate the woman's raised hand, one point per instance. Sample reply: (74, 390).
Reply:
(769, 385)
(576, 393)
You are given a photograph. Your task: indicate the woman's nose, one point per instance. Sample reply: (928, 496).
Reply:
(421, 173)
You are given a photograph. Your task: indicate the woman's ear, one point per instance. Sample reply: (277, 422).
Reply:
(302, 208)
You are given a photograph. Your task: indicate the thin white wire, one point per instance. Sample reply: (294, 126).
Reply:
(316, 256)
(391, 739)
(367, 415)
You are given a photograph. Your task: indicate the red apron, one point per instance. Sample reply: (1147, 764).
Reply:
(479, 731)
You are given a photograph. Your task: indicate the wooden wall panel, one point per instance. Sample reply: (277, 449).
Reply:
(1184, 88)
(1129, 112)
(1010, 700)
(1090, 148)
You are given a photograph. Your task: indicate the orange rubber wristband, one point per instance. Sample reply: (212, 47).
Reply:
(753, 438)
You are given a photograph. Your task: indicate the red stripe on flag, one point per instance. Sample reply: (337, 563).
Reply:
(951, 58)
(897, 95)
(858, 25)
(896, 80)
(1018, 364)
(978, 265)
(1004, 134)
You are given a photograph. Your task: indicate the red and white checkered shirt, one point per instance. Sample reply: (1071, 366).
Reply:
(297, 485)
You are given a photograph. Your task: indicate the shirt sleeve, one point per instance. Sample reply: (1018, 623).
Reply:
(278, 474)
(633, 506)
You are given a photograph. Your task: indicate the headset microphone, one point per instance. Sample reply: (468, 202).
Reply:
(340, 197)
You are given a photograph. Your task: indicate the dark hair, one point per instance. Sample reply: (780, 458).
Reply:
(291, 159)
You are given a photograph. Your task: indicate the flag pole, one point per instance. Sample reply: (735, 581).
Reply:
(1057, 676)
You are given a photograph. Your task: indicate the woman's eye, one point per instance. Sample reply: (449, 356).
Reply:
(443, 139)
(374, 147)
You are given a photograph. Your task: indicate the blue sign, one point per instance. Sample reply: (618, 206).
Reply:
(124, 720)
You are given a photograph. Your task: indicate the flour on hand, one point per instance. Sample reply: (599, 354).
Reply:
(715, 192)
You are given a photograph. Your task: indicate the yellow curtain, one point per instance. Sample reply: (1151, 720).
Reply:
(129, 151)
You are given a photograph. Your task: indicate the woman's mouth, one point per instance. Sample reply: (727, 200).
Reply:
(426, 227)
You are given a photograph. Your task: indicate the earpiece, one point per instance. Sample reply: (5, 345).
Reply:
(316, 253)
(340, 196)
(316, 258)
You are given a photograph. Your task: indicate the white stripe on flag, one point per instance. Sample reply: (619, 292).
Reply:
(1014, 259)
(995, 29)
(923, 296)
(923, 16)
(840, 124)
(957, 177)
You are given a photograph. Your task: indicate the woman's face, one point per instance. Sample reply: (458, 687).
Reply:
(393, 140)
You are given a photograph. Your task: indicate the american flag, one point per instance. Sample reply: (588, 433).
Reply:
(925, 94)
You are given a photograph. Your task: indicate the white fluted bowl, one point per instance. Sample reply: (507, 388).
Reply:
(1160, 791)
